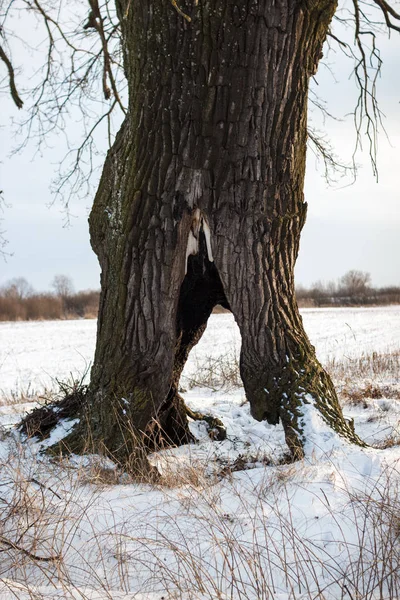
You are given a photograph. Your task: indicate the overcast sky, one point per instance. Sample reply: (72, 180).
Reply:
(348, 227)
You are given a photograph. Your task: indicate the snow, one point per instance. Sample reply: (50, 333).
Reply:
(34, 355)
(230, 519)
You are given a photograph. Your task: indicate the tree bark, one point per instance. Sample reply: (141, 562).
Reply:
(210, 161)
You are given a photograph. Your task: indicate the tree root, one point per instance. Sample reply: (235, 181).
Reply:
(170, 430)
(216, 428)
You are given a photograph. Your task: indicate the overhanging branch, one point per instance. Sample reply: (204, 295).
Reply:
(11, 76)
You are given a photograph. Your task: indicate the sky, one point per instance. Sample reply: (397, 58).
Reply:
(348, 226)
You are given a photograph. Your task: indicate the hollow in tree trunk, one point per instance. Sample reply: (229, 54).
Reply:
(201, 202)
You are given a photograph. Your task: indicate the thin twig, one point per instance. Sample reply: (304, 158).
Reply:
(10, 544)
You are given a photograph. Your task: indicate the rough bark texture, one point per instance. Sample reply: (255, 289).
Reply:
(216, 131)
(201, 290)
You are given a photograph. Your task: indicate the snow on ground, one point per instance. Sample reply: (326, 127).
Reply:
(313, 529)
(34, 354)
(228, 519)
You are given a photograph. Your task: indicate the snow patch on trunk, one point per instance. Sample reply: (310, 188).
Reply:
(319, 439)
(60, 431)
(199, 223)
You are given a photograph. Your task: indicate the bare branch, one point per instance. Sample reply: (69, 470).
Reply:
(3, 239)
(333, 166)
(95, 21)
(11, 76)
(365, 18)
(9, 544)
(75, 62)
(81, 77)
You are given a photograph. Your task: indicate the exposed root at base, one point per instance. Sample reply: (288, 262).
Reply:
(216, 431)
(173, 430)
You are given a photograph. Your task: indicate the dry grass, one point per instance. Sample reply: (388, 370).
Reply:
(203, 539)
(217, 374)
(48, 396)
(373, 375)
(390, 441)
(377, 365)
(21, 397)
(38, 307)
(207, 537)
(358, 381)
(359, 393)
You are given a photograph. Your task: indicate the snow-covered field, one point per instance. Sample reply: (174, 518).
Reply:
(34, 355)
(227, 519)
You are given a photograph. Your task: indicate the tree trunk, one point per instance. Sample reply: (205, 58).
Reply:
(201, 202)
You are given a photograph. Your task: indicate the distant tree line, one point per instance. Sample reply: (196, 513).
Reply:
(353, 289)
(20, 302)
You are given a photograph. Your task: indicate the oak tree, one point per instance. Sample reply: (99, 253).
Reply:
(201, 202)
